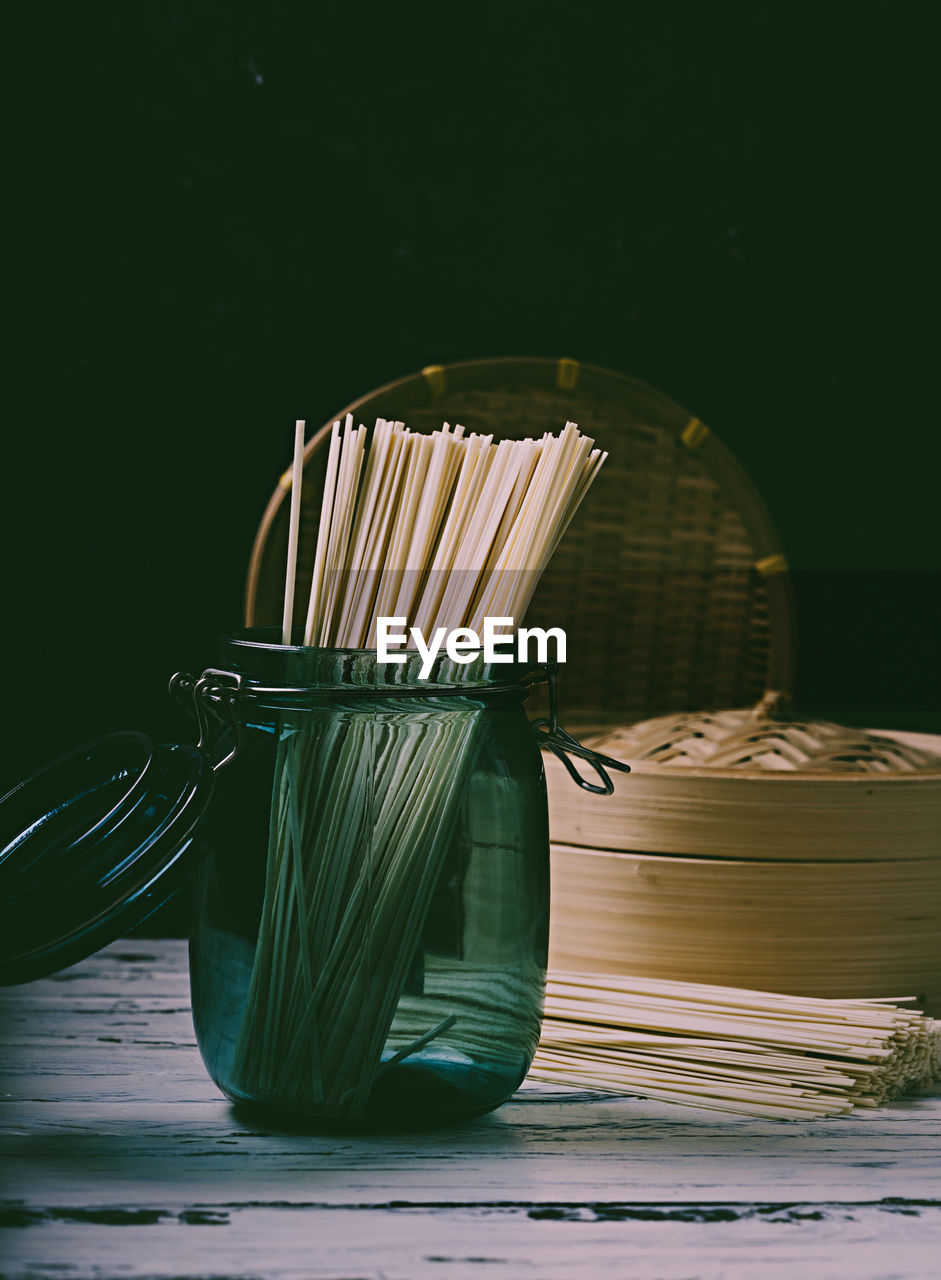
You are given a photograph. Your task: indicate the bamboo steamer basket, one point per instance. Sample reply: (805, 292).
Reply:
(747, 851)
(670, 583)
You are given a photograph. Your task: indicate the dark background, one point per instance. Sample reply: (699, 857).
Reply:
(229, 215)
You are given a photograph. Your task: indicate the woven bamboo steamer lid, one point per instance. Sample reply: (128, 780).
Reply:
(733, 784)
(750, 851)
(670, 583)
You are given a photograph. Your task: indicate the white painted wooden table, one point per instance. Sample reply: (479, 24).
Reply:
(119, 1158)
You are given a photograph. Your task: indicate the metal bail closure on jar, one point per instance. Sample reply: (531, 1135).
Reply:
(217, 693)
(103, 836)
(552, 737)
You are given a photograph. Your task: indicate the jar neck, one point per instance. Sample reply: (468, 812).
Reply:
(256, 654)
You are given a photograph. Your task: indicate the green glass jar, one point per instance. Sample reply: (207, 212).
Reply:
(370, 936)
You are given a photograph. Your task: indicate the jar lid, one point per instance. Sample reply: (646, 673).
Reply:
(92, 844)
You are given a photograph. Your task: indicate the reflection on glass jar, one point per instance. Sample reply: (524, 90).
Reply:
(370, 938)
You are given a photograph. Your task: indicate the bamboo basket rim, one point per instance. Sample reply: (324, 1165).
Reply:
(562, 375)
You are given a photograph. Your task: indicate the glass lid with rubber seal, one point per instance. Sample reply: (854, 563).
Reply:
(92, 844)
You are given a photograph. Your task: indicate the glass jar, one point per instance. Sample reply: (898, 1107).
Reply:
(371, 927)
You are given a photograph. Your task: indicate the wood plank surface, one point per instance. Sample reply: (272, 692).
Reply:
(120, 1158)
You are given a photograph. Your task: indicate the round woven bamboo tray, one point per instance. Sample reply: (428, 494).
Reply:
(798, 857)
(670, 583)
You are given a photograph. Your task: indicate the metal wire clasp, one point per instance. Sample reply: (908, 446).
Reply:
(213, 698)
(553, 737)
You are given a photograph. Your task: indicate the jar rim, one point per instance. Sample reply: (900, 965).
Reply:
(270, 668)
